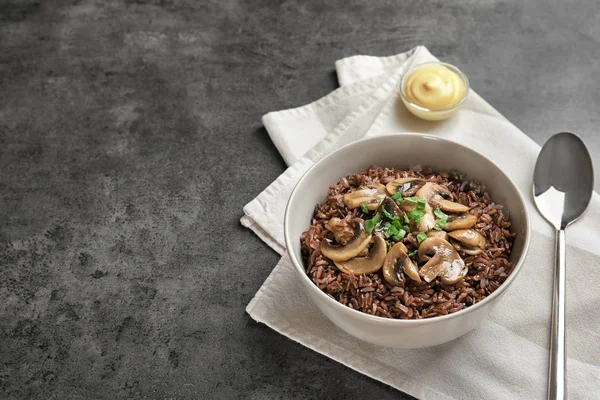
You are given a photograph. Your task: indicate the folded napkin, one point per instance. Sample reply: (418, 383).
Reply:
(507, 356)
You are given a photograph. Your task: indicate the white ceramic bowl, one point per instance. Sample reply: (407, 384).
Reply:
(402, 151)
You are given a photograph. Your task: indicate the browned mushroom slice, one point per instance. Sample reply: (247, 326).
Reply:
(467, 240)
(454, 271)
(461, 221)
(353, 246)
(438, 196)
(427, 221)
(398, 261)
(389, 206)
(371, 194)
(442, 260)
(406, 186)
(440, 234)
(432, 269)
(368, 264)
(342, 229)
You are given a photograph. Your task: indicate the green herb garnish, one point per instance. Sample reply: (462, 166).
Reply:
(418, 201)
(421, 236)
(397, 197)
(396, 222)
(394, 232)
(413, 253)
(442, 219)
(389, 230)
(439, 213)
(406, 219)
(365, 208)
(387, 214)
(416, 215)
(413, 199)
(371, 223)
(400, 235)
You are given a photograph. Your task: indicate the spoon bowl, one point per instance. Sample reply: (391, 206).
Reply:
(563, 182)
(563, 179)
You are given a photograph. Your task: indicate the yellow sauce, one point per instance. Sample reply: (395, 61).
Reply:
(434, 87)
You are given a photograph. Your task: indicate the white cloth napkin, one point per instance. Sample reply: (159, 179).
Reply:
(506, 357)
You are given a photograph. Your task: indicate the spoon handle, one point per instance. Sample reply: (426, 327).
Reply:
(557, 369)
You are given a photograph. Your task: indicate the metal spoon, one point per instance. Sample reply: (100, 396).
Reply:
(563, 181)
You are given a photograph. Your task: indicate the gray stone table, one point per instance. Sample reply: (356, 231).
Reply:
(130, 139)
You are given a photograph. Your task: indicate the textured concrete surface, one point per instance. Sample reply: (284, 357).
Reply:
(130, 139)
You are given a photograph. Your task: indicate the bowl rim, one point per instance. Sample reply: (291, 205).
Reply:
(298, 264)
(451, 67)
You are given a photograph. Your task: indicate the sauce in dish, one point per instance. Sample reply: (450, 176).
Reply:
(434, 87)
(434, 91)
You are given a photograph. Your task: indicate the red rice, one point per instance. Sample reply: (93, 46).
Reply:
(372, 294)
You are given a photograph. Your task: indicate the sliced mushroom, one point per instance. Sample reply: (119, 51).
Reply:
(398, 261)
(341, 229)
(371, 194)
(368, 264)
(406, 186)
(432, 269)
(440, 234)
(431, 190)
(438, 196)
(390, 206)
(461, 221)
(442, 260)
(353, 246)
(427, 222)
(467, 240)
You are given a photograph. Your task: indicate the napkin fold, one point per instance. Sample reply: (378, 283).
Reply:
(504, 358)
